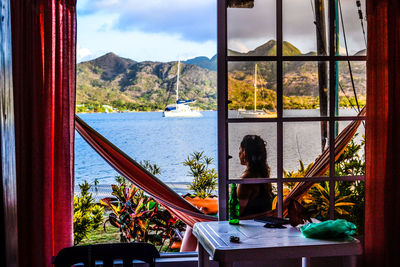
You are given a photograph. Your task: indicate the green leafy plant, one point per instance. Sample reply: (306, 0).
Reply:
(152, 168)
(349, 195)
(317, 201)
(88, 215)
(204, 177)
(140, 218)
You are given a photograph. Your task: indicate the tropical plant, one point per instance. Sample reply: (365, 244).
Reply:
(140, 218)
(152, 168)
(88, 215)
(204, 177)
(349, 195)
(317, 201)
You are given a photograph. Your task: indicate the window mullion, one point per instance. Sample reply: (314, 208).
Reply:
(279, 94)
(222, 90)
(332, 100)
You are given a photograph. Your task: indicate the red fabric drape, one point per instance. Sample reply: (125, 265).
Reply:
(43, 39)
(382, 201)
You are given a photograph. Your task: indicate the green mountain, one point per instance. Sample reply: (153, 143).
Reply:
(269, 49)
(126, 84)
(204, 62)
(120, 82)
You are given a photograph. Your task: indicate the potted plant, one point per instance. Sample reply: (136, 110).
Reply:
(204, 182)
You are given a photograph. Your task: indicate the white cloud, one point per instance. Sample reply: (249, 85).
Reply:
(82, 53)
(193, 20)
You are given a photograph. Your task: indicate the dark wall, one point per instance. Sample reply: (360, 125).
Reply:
(8, 188)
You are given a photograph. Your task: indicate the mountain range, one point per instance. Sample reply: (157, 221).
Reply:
(128, 84)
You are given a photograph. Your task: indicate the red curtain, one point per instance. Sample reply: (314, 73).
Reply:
(43, 40)
(382, 201)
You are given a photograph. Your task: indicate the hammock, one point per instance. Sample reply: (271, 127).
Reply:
(140, 177)
(189, 214)
(320, 166)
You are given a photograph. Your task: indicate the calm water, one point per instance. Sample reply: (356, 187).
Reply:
(168, 141)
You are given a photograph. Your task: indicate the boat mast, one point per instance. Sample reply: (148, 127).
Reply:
(255, 87)
(177, 81)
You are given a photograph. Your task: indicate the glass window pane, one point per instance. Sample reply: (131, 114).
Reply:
(353, 28)
(349, 203)
(301, 146)
(316, 200)
(352, 161)
(252, 30)
(267, 131)
(261, 204)
(352, 73)
(252, 89)
(300, 31)
(301, 94)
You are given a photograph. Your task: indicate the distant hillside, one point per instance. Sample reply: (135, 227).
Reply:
(117, 81)
(204, 62)
(269, 49)
(126, 84)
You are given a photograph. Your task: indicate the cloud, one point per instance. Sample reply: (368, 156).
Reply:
(253, 27)
(193, 20)
(82, 53)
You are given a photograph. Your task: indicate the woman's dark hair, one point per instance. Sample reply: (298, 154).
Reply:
(255, 155)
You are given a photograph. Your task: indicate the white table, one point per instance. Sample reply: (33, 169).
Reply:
(258, 243)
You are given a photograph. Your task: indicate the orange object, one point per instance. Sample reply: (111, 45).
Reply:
(208, 205)
(176, 245)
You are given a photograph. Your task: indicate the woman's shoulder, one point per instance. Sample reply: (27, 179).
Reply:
(247, 190)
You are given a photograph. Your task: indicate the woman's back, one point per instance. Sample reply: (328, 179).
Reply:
(259, 199)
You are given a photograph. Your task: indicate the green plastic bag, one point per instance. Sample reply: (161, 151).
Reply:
(328, 229)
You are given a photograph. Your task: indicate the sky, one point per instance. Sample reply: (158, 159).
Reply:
(167, 30)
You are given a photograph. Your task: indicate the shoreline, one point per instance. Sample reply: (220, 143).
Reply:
(134, 111)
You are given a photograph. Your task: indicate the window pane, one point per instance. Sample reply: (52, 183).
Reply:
(356, 43)
(352, 161)
(301, 146)
(349, 203)
(261, 204)
(267, 131)
(316, 200)
(349, 96)
(252, 31)
(300, 32)
(252, 89)
(301, 94)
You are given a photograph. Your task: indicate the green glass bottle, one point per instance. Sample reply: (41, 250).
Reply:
(233, 206)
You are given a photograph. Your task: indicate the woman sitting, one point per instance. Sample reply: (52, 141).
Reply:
(254, 198)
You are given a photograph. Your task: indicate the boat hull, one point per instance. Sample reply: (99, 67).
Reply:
(256, 114)
(182, 114)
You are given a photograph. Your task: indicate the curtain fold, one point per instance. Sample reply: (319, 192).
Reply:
(382, 215)
(43, 40)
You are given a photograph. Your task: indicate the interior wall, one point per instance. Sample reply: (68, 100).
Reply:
(8, 210)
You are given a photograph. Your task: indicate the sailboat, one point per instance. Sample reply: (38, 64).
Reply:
(181, 108)
(256, 113)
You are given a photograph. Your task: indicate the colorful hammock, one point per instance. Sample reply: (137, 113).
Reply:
(189, 214)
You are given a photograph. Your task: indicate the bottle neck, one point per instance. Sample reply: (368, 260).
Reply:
(233, 190)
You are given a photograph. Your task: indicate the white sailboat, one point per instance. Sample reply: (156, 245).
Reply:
(181, 108)
(256, 113)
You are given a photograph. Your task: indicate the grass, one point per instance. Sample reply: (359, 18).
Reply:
(99, 236)
(111, 235)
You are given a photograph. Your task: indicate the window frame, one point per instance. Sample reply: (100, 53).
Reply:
(224, 121)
